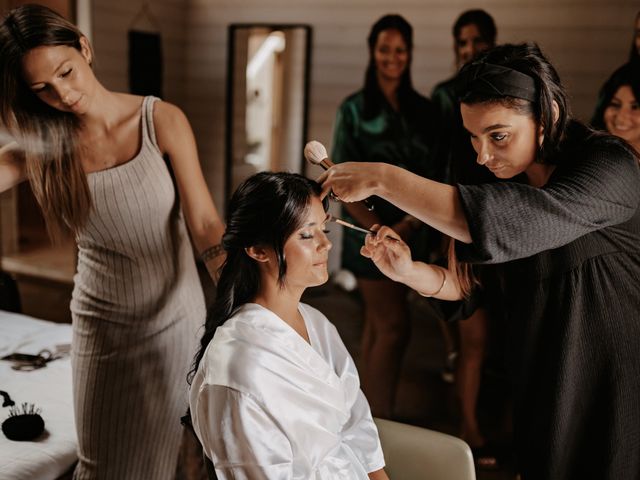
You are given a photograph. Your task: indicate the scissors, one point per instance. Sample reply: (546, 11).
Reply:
(26, 362)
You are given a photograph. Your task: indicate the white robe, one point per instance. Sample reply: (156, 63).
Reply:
(268, 405)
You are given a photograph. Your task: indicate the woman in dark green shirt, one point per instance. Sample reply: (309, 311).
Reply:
(386, 121)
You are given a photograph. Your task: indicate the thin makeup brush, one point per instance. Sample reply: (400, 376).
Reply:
(316, 153)
(339, 221)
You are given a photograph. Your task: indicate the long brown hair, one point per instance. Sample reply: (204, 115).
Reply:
(47, 137)
(408, 98)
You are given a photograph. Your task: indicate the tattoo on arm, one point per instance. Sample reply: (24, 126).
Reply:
(212, 252)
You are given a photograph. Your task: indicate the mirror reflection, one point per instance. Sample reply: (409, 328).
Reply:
(267, 82)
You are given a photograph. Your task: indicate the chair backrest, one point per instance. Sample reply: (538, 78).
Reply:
(414, 453)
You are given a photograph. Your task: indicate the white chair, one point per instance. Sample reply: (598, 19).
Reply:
(414, 453)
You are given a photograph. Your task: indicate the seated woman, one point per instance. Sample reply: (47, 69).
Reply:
(274, 392)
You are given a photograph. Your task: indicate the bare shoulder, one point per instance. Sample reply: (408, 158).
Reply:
(168, 114)
(171, 125)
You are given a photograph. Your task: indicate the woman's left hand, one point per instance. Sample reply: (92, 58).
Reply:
(390, 254)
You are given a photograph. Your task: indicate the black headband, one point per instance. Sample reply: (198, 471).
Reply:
(495, 80)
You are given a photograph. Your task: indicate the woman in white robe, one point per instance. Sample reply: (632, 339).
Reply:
(275, 394)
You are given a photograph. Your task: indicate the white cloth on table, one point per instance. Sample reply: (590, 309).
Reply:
(268, 405)
(49, 388)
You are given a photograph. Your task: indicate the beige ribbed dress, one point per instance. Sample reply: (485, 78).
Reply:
(137, 305)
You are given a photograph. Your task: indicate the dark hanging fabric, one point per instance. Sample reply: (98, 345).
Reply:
(145, 63)
(9, 296)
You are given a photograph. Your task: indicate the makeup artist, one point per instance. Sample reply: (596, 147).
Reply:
(568, 236)
(94, 159)
(386, 121)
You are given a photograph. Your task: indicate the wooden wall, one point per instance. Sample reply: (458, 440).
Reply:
(111, 21)
(586, 39)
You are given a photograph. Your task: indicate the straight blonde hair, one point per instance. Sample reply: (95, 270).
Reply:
(47, 137)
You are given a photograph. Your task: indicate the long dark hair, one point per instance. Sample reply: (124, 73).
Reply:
(527, 58)
(628, 74)
(373, 96)
(47, 137)
(479, 18)
(264, 211)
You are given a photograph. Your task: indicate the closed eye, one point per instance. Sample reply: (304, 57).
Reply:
(64, 74)
(308, 236)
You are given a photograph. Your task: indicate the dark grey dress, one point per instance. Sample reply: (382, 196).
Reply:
(571, 254)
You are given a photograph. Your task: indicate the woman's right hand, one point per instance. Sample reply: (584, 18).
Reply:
(12, 168)
(391, 255)
(352, 181)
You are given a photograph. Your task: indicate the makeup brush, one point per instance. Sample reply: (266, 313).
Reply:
(316, 153)
(339, 221)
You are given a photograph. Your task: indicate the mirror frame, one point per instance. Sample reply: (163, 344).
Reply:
(231, 49)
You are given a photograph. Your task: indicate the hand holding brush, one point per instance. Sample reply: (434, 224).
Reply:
(339, 221)
(316, 153)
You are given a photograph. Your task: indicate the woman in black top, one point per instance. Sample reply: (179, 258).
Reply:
(568, 236)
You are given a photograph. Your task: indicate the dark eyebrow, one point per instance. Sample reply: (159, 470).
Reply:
(495, 127)
(488, 129)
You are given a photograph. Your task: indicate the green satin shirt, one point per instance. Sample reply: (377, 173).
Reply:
(389, 137)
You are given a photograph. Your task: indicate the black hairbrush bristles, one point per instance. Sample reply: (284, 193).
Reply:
(23, 423)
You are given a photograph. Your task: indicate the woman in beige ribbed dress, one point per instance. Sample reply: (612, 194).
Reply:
(94, 159)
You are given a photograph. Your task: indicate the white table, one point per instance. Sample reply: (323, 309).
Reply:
(49, 388)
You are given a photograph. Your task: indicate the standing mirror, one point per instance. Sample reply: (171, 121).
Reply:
(267, 99)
